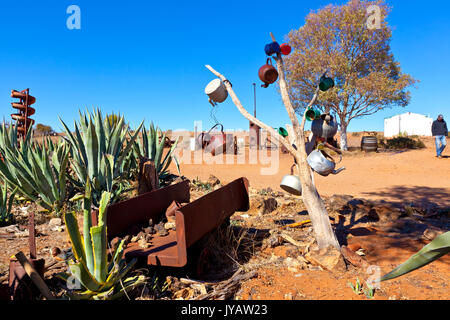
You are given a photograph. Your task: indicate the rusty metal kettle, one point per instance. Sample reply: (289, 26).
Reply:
(215, 144)
(268, 74)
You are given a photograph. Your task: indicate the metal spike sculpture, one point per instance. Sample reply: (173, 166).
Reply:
(23, 122)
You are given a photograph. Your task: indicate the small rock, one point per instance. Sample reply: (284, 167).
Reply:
(143, 244)
(256, 202)
(149, 230)
(127, 239)
(21, 234)
(354, 246)
(10, 229)
(273, 241)
(55, 251)
(288, 296)
(58, 228)
(339, 200)
(213, 181)
(384, 214)
(328, 258)
(55, 222)
(178, 180)
(291, 262)
(269, 205)
(141, 235)
(355, 259)
(169, 225)
(161, 230)
(431, 233)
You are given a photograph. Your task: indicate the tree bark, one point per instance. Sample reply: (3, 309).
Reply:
(324, 233)
(344, 144)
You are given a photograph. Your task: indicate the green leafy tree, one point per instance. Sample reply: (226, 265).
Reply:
(43, 129)
(359, 58)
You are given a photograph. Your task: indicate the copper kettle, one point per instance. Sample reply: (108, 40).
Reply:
(268, 74)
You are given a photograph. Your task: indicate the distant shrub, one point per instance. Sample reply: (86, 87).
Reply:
(401, 142)
(355, 134)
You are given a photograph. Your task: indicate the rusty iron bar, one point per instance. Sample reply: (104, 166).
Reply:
(20, 285)
(193, 221)
(32, 236)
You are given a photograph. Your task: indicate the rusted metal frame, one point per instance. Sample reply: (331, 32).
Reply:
(140, 209)
(17, 274)
(208, 212)
(193, 221)
(32, 236)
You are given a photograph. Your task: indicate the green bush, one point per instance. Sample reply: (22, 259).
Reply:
(401, 142)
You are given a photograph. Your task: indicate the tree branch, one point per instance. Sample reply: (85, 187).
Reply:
(247, 115)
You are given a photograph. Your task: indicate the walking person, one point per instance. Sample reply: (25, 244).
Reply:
(440, 132)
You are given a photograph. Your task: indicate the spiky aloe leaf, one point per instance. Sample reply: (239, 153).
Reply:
(74, 235)
(117, 255)
(87, 224)
(82, 274)
(437, 248)
(102, 211)
(99, 246)
(92, 150)
(121, 288)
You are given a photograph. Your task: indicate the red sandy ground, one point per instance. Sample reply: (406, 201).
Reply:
(412, 176)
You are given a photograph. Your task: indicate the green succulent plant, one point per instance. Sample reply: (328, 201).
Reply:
(37, 171)
(101, 152)
(99, 278)
(151, 146)
(6, 205)
(437, 248)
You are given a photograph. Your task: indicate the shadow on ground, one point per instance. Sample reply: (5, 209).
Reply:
(425, 197)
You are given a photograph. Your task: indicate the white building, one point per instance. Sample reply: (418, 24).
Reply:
(410, 123)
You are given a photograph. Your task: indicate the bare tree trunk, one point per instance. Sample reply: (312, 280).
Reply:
(344, 145)
(324, 233)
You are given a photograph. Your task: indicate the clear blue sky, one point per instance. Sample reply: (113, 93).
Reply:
(146, 59)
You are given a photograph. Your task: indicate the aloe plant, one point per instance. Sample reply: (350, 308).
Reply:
(6, 205)
(100, 279)
(37, 171)
(437, 248)
(151, 146)
(100, 150)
